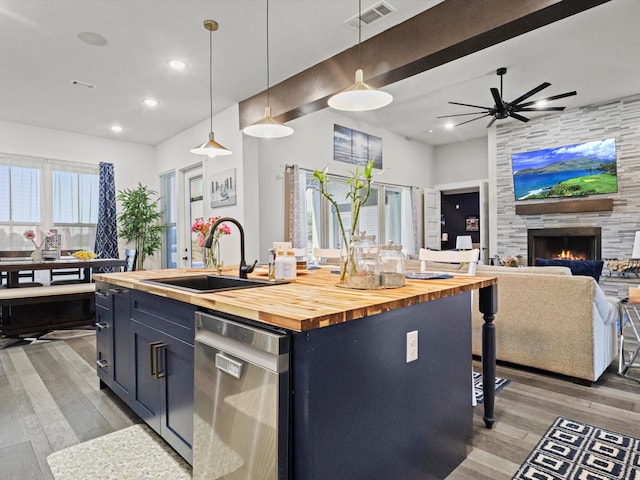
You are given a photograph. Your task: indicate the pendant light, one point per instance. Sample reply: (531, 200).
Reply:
(268, 127)
(211, 148)
(360, 97)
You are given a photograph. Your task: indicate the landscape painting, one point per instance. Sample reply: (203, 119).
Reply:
(352, 146)
(569, 171)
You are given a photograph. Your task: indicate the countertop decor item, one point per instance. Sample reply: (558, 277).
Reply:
(210, 256)
(359, 190)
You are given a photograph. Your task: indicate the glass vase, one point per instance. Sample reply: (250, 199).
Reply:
(212, 259)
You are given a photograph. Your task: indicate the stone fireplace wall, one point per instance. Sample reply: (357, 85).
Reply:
(619, 119)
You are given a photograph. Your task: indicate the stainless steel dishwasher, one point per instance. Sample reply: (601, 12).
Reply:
(241, 401)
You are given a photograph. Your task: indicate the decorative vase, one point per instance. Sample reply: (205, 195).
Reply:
(362, 264)
(36, 255)
(212, 257)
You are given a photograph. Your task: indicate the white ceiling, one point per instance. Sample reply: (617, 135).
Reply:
(595, 52)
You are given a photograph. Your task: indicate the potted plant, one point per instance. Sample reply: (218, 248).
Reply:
(359, 183)
(140, 221)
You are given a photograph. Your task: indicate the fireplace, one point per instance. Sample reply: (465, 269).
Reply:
(575, 243)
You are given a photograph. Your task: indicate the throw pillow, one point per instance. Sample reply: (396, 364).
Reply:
(591, 268)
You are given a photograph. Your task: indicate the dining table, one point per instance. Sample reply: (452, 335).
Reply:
(13, 266)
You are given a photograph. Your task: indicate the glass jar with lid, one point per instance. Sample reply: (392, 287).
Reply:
(391, 266)
(363, 262)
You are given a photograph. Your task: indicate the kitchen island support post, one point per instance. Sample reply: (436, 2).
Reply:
(489, 306)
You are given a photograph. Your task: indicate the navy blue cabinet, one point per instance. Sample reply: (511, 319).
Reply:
(113, 340)
(145, 355)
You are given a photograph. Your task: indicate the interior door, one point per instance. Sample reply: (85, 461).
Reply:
(432, 218)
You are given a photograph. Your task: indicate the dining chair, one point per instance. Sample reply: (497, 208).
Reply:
(325, 255)
(131, 257)
(75, 273)
(460, 262)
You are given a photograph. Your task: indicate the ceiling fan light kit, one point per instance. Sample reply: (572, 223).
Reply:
(211, 148)
(360, 97)
(502, 109)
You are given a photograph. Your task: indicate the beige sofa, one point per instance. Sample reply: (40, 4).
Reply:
(550, 320)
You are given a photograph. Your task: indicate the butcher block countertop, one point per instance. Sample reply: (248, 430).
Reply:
(313, 300)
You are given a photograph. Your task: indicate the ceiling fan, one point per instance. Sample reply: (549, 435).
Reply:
(503, 109)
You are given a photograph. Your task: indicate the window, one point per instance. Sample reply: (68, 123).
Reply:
(41, 194)
(380, 216)
(168, 204)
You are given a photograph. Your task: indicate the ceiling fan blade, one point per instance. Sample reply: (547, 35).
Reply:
(496, 97)
(462, 114)
(473, 119)
(469, 105)
(541, 109)
(491, 122)
(540, 87)
(548, 99)
(519, 117)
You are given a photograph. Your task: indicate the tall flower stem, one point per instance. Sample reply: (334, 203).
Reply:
(359, 190)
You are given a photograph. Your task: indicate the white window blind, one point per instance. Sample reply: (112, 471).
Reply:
(41, 194)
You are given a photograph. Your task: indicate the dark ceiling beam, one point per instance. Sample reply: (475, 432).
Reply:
(446, 32)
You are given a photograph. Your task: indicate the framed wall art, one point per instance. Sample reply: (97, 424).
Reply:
(223, 188)
(472, 223)
(352, 146)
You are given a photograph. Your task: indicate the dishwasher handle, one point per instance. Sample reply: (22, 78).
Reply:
(228, 365)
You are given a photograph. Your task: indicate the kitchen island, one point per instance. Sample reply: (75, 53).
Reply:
(379, 382)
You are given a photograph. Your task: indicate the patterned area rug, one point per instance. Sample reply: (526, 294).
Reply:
(44, 337)
(479, 391)
(572, 450)
(134, 452)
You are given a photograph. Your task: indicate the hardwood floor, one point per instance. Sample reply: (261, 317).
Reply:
(49, 400)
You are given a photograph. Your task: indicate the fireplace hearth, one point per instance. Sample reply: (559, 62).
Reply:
(572, 243)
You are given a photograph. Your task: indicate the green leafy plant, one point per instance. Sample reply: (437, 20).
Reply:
(140, 221)
(359, 182)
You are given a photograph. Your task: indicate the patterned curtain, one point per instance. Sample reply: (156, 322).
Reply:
(107, 231)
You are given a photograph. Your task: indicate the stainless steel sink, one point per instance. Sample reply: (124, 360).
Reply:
(210, 283)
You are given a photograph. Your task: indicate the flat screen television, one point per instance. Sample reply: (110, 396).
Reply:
(570, 171)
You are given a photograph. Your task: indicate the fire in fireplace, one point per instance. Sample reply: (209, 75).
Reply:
(577, 243)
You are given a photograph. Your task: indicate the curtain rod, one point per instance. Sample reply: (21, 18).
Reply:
(304, 169)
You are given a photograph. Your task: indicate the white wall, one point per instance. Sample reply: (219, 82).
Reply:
(311, 146)
(461, 161)
(174, 155)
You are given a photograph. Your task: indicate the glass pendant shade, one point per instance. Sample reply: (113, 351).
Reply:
(211, 148)
(360, 97)
(268, 127)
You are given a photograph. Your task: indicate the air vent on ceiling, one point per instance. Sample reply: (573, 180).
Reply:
(80, 83)
(371, 14)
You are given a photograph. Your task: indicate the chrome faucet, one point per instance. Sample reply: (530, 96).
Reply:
(244, 269)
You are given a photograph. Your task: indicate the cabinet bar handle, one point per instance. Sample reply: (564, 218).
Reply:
(102, 363)
(154, 350)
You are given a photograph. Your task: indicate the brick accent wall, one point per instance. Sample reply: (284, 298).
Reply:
(619, 119)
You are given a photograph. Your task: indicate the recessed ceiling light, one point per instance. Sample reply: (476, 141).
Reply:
(150, 102)
(116, 128)
(449, 125)
(92, 38)
(430, 130)
(541, 103)
(177, 64)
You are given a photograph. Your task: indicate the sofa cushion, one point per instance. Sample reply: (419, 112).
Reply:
(589, 268)
(498, 270)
